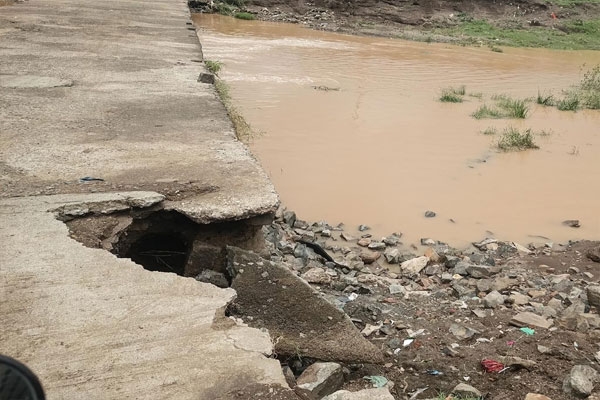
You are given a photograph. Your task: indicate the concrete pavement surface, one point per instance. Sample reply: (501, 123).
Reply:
(109, 90)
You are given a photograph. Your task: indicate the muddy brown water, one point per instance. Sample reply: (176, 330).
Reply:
(380, 149)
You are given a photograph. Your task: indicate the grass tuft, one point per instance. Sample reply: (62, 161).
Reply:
(213, 66)
(486, 111)
(244, 15)
(513, 140)
(569, 103)
(490, 130)
(243, 130)
(514, 108)
(545, 100)
(453, 95)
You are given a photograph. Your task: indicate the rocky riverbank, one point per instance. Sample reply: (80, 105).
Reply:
(496, 320)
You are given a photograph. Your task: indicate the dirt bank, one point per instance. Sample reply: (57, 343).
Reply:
(562, 24)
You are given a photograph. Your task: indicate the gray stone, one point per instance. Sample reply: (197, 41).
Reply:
(484, 259)
(430, 214)
(580, 381)
(462, 291)
(484, 285)
(461, 268)
(427, 242)
(518, 298)
(316, 275)
(289, 217)
(431, 270)
(392, 240)
(205, 77)
(593, 295)
(493, 299)
(365, 394)
(527, 319)
(412, 267)
(347, 237)
(594, 254)
(462, 389)
(213, 277)
(376, 246)
(479, 271)
(363, 228)
(573, 223)
(446, 277)
(462, 332)
(397, 289)
(320, 379)
(369, 257)
(392, 256)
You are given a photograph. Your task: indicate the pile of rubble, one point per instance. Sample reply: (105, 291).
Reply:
(495, 320)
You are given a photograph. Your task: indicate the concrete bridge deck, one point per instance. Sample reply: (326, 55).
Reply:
(108, 89)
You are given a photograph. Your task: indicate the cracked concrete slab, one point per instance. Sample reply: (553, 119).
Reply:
(109, 90)
(98, 327)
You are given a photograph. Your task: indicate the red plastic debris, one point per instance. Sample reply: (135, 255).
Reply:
(553, 16)
(492, 366)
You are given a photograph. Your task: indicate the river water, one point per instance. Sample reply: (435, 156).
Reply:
(381, 149)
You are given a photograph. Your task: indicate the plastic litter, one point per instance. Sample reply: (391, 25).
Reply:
(352, 296)
(378, 381)
(492, 365)
(407, 342)
(90, 179)
(510, 343)
(418, 392)
(434, 372)
(527, 331)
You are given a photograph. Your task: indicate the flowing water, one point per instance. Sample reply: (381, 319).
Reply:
(380, 149)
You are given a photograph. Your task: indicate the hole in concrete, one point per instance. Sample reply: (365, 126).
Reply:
(161, 252)
(167, 241)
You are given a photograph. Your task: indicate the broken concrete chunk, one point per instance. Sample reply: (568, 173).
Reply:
(213, 277)
(365, 394)
(462, 332)
(320, 379)
(300, 318)
(527, 318)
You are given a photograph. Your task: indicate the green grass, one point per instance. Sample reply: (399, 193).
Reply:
(574, 35)
(486, 111)
(504, 107)
(514, 108)
(545, 100)
(572, 3)
(244, 15)
(490, 130)
(496, 49)
(243, 130)
(569, 103)
(214, 67)
(514, 140)
(453, 95)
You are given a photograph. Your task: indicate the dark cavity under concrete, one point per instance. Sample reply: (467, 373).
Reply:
(167, 241)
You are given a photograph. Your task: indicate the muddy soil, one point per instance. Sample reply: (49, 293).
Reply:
(436, 323)
(415, 19)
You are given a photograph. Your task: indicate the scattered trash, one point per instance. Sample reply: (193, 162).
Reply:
(407, 342)
(527, 331)
(370, 329)
(90, 179)
(467, 378)
(378, 381)
(510, 343)
(434, 372)
(492, 366)
(418, 392)
(414, 334)
(483, 340)
(352, 296)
